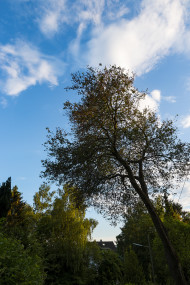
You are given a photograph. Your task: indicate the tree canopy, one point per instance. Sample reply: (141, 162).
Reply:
(5, 197)
(115, 145)
(117, 148)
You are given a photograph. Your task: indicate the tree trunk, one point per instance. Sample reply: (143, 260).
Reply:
(171, 256)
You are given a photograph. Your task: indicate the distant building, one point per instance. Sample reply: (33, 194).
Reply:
(106, 245)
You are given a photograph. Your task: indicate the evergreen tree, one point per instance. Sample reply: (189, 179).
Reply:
(5, 197)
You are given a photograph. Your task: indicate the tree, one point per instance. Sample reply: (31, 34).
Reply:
(17, 266)
(137, 228)
(133, 271)
(178, 228)
(110, 271)
(20, 221)
(43, 199)
(118, 149)
(17, 205)
(5, 196)
(63, 231)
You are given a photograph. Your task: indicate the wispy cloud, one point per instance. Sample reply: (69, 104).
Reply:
(138, 44)
(3, 102)
(52, 15)
(24, 66)
(22, 178)
(112, 37)
(185, 122)
(171, 99)
(56, 13)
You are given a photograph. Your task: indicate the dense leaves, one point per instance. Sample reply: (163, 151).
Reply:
(49, 243)
(138, 230)
(116, 153)
(113, 139)
(118, 149)
(17, 266)
(5, 196)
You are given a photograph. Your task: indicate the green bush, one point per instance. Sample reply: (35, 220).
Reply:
(17, 266)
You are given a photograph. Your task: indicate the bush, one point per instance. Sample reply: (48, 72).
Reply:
(17, 266)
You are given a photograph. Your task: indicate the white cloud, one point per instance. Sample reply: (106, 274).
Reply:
(156, 95)
(52, 16)
(151, 101)
(170, 99)
(24, 66)
(185, 122)
(138, 44)
(56, 13)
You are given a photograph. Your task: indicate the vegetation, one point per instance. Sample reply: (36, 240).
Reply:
(120, 158)
(118, 149)
(49, 243)
(139, 230)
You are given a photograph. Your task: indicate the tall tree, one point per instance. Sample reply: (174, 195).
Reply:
(117, 148)
(17, 205)
(5, 198)
(63, 231)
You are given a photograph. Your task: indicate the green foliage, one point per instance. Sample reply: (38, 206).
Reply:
(20, 222)
(63, 231)
(110, 271)
(5, 196)
(179, 233)
(138, 226)
(114, 142)
(17, 266)
(117, 150)
(133, 271)
(43, 199)
(14, 215)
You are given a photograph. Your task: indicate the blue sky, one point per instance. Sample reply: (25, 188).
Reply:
(42, 42)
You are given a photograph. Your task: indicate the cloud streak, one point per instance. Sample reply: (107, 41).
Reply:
(57, 13)
(136, 43)
(185, 122)
(102, 32)
(22, 66)
(3, 102)
(139, 44)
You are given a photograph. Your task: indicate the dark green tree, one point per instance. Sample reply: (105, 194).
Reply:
(178, 227)
(117, 149)
(5, 198)
(133, 272)
(17, 266)
(110, 269)
(17, 205)
(20, 221)
(138, 227)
